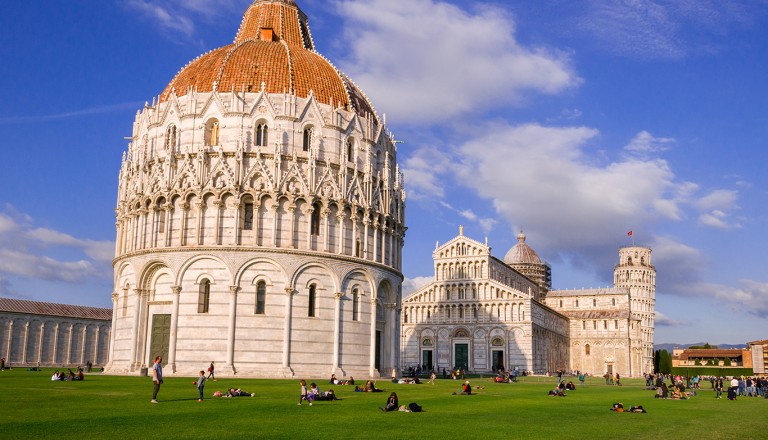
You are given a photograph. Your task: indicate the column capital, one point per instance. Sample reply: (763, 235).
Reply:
(338, 295)
(115, 296)
(233, 289)
(176, 290)
(290, 291)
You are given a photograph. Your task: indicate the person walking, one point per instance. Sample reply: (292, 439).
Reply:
(157, 377)
(210, 372)
(200, 385)
(304, 393)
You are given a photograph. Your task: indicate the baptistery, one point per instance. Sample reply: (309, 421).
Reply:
(260, 216)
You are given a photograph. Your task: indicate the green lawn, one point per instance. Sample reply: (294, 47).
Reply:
(111, 407)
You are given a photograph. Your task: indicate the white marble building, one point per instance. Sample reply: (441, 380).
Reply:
(260, 216)
(34, 333)
(481, 314)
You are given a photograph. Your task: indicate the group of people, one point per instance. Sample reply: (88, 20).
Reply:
(312, 393)
(69, 375)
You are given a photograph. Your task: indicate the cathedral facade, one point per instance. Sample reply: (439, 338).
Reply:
(481, 314)
(260, 216)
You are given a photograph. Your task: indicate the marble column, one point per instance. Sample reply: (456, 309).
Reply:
(24, 346)
(289, 293)
(55, 343)
(132, 359)
(174, 330)
(230, 366)
(337, 333)
(372, 355)
(115, 302)
(40, 344)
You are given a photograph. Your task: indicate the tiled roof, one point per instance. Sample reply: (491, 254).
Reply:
(286, 63)
(20, 306)
(522, 253)
(763, 342)
(710, 353)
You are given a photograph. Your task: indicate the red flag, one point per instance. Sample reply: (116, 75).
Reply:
(629, 234)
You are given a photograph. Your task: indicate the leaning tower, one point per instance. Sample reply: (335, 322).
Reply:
(260, 216)
(636, 273)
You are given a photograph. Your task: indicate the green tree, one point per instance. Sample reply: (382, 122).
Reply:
(727, 362)
(656, 360)
(665, 362)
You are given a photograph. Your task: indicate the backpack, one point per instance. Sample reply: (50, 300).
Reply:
(414, 407)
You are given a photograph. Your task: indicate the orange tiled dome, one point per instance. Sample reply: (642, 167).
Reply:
(273, 47)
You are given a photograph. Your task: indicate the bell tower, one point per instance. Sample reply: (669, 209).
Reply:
(636, 273)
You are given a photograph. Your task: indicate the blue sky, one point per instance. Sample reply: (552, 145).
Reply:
(576, 121)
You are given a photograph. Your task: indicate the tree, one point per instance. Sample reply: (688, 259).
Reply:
(727, 362)
(656, 360)
(665, 362)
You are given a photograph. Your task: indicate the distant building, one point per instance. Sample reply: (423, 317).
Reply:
(45, 334)
(481, 314)
(712, 357)
(759, 350)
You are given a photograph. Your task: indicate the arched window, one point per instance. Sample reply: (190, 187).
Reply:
(613, 301)
(315, 223)
(311, 303)
(261, 135)
(212, 132)
(594, 302)
(261, 297)
(307, 140)
(170, 138)
(248, 216)
(577, 303)
(350, 149)
(586, 349)
(583, 325)
(203, 299)
(358, 249)
(356, 306)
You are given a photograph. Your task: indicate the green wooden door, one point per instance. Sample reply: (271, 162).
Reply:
(462, 356)
(161, 336)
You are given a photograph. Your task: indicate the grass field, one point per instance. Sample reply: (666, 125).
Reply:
(113, 407)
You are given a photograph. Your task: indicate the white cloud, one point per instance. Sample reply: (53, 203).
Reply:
(411, 285)
(644, 144)
(178, 18)
(544, 176)
(662, 320)
(662, 29)
(23, 251)
(427, 60)
(422, 170)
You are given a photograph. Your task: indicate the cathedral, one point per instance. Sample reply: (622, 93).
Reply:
(481, 314)
(260, 216)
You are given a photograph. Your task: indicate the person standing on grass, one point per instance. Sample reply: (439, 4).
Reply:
(200, 385)
(157, 377)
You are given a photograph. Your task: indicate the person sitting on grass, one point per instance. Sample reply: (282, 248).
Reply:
(466, 389)
(391, 403)
(56, 376)
(370, 387)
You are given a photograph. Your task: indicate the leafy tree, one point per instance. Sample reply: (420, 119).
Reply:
(727, 362)
(697, 362)
(656, 360)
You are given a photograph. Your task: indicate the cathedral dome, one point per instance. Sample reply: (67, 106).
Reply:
(521, 253)
(273, 49)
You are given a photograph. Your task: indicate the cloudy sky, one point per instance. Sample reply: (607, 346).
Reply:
(575, 121)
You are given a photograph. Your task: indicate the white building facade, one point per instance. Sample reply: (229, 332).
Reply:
(480, 314)
(260, 216)
(34, 333)
(504, 314)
